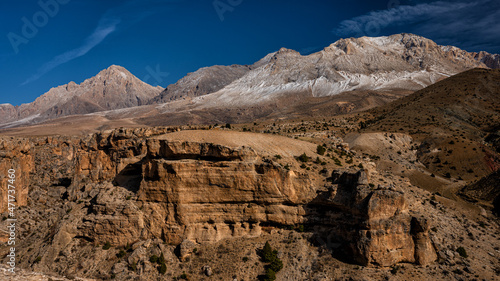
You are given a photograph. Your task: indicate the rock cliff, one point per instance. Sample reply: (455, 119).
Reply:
(125, 187)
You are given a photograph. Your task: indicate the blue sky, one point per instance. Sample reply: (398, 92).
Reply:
(48, 43)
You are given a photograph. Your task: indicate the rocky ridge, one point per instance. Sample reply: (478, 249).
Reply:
(397, 62)
(204, 81)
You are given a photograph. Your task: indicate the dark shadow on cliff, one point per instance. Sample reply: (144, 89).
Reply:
(130, 177)
(334, 227)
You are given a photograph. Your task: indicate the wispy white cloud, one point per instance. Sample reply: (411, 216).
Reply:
(126, 14)
(104, 29)
(472, 25)
(373, 22)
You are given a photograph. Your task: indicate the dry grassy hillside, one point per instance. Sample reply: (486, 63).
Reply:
(451, 119)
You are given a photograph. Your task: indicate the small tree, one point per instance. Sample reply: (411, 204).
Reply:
(267, 253)
(270, 275)
(163, 268)
(275, 264)
(153, 259)
(303, 157)
(462, 252)
(106, 246)
(320, 150)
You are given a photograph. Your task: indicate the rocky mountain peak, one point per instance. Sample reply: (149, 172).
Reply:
(411, 40)
(112, 88)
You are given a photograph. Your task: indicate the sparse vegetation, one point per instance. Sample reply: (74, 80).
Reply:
(133, 267)
(121, 254)
(153, 259)
(106, 246)
(462, 252)
(274, 264)
(395, 269)
(303, 158)
(320, 150)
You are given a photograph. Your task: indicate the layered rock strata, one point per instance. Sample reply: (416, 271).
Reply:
(126, 186)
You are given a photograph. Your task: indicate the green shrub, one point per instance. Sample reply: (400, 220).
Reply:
(106, 246)
(163, 268)
(270, 256)
(267, 253)
(300, 228)
(121, 254)
(270, 275)
(303, 158)
(320, 150)
(277, 156)
(276, 265)
(153, 259)
(462, 252)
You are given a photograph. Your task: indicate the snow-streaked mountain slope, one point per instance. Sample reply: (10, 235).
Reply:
(397, 62)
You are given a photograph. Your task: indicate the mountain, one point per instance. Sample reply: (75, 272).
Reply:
(398, 62)
(204, 81)
(350, 75)
(112, 88)
(490, 60)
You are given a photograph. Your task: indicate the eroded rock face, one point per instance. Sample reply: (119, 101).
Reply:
(375, 224)
(224, 193)
(127, 186)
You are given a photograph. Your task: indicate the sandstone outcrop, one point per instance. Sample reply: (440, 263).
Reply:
(125, 187)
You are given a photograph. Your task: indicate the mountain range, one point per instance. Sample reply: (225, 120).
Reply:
(381, 69)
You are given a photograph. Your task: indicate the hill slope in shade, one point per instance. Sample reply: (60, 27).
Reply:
(451, 119)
